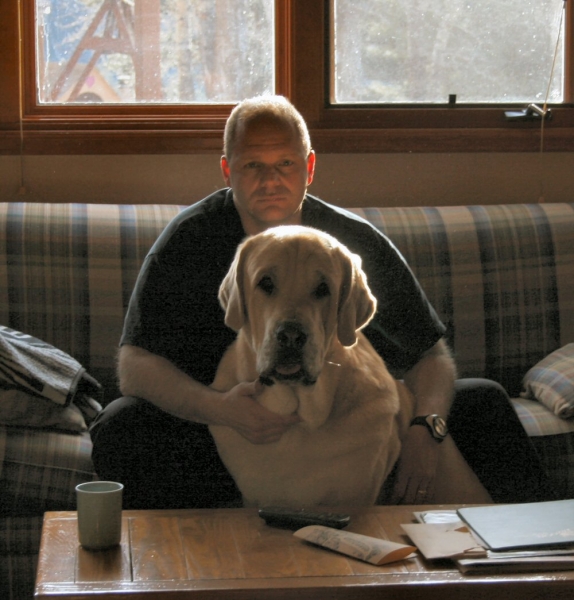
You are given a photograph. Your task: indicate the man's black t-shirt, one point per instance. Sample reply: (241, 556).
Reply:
(174, 310)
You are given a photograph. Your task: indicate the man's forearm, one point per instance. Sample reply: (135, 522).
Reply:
(431, 381)
(158, 381)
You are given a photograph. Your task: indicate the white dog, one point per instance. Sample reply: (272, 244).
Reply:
(298, 299)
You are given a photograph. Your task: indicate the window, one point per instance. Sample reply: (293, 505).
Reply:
(420, 52)
(173, 51)
(300, 60)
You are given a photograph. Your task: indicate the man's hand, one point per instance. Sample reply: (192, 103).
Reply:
(415, 481)
(431, 382)
(254, 422)
(154, 378)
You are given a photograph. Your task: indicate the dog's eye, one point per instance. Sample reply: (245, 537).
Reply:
(322, 290)
(267, 285)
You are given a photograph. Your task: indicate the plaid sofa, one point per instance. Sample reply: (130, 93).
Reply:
(501, 277)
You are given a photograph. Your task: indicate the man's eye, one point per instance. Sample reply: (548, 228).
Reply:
(267, 285)
(322, 290)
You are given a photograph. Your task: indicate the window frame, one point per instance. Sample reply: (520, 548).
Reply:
(302, 32)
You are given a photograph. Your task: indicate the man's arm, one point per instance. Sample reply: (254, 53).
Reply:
(158, 381)
(431, 381)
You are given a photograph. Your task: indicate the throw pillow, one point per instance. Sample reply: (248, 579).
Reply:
(551, 382)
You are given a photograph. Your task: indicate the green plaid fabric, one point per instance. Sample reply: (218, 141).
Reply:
(41, 469)
(501, 278)
(538, 421)
(551, 382)
(20, 535)
(557, 454)
(17, 574)
(67, 272)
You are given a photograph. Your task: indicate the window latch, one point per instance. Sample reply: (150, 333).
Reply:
(532, 112)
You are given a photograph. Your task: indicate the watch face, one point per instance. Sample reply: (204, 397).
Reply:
(439, 425)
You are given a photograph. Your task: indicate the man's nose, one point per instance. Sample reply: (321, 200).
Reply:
(270, 173)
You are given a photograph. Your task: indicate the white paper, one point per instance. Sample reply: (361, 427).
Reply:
(437, 516)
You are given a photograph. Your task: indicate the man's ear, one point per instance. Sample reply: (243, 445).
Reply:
(311, 159)
(231, 296)
(225, 171)
(357, 304)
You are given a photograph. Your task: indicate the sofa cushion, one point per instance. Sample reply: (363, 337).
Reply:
(553, 439)
(20, 535)
(17, 575)
(500, 278)
(40, 470)
(557, 455)
(551, 382)
(538, 421)
(67, 272)
(17, 408)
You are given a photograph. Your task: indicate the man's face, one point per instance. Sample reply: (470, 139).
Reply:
(269, 174)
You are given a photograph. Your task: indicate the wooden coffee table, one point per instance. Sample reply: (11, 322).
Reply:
(231, 554)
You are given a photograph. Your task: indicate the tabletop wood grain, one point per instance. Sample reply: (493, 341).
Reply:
(232, 553)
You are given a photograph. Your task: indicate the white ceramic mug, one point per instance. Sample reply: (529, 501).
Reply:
(99, 514)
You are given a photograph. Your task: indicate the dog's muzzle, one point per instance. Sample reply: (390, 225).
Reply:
(289, 361)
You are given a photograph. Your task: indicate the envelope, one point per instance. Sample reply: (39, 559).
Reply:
(444, 540)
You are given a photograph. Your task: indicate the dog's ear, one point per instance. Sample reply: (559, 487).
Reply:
(357, 304)
(231, 295)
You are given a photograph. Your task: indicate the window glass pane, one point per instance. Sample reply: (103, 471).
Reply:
(160, 51)
(416, 51)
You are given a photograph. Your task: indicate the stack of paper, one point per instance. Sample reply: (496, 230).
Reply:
(529, 537)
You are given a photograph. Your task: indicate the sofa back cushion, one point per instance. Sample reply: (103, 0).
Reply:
(67, 272)
(501, 277)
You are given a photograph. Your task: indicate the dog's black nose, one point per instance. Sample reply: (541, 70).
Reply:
(291, 335)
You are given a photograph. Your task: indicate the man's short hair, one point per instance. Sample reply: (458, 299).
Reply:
(264, 107)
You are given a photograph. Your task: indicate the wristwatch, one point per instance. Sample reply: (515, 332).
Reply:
(435, 424)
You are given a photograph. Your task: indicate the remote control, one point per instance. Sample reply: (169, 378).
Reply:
(288, 518)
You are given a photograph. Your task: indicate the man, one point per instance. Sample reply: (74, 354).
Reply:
(155, 439)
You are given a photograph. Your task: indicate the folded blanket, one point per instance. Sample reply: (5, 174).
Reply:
(42, 386)
(29, 364)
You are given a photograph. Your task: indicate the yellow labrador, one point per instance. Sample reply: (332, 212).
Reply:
(298, 299)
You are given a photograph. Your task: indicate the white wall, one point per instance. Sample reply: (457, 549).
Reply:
(344, 179)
